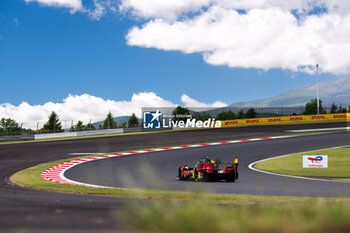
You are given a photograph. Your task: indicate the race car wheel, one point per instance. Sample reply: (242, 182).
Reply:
(236, 174)
(181, 174)
(205, 176)
(196, 175)
(231, 177)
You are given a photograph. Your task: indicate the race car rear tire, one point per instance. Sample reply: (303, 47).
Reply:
(231, 177)
(181, 174)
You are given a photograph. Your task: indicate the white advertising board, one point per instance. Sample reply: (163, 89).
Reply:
(55, 135)
(315, 161)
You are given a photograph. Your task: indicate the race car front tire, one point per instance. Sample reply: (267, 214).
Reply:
(196, 175)
(205, 175)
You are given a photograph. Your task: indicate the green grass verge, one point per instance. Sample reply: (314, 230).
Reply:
(313, 215)
(338, 164)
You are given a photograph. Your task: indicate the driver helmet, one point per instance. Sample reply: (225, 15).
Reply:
(207, 160)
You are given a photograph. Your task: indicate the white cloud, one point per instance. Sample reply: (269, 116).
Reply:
(74, 5)
(167, 9)
(85, 107)
(97, 12)
(100, 8)
(170, 9)
(261, 38)
(189, 102)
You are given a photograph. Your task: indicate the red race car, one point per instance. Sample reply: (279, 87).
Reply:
(209, 170)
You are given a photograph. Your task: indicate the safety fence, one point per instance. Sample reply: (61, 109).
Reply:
(86, 133)
(287, 120)
(68, 134)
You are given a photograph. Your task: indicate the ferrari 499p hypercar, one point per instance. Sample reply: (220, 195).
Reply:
(209, 170)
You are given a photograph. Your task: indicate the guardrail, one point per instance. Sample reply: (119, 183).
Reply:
(68, 134)
(55, 135)
(77, 134)
(16, 138)
(288, 119)
(99, 132)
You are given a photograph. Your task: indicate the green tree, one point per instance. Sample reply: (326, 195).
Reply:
(341, 109)
(109, 122)
(8, 126)
(311, 107)
(204, 116)
(90, 126)
(349, 109)
(251, 113)
(180, 113)
(133, 121)
(79, 126)
(229, 115)
(240, 114)
(122, 125)
(53, 124)
(334, 108)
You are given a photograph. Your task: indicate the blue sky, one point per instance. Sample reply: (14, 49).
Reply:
(47, 53)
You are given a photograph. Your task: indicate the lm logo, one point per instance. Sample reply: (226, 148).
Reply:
(318, 159)
(152, 120)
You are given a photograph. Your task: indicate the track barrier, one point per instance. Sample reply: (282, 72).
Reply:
(287, 119)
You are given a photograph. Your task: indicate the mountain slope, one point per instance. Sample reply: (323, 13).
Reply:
(337, 91)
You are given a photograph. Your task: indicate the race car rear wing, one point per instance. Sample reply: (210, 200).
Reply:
(218, 162)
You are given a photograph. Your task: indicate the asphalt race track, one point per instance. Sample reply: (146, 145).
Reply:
(118, 171)
(22, 208)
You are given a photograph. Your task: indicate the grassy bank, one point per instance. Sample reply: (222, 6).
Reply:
(313, 215)
(338, 164)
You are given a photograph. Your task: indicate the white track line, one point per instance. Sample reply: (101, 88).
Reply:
(251, 166)
(86, 153)
(317, 130)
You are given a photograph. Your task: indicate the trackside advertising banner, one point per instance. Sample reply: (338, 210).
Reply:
(315, 161)
(288, 119)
